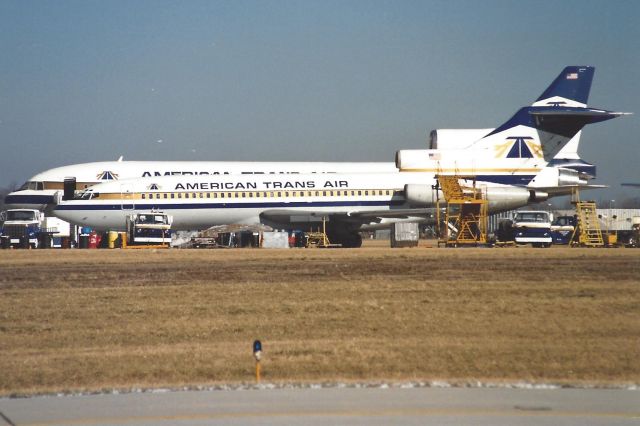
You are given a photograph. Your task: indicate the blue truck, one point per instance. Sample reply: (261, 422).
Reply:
(562, 229)
(22, 228)
(30, 228)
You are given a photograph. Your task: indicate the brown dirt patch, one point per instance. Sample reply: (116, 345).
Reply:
(85, 320)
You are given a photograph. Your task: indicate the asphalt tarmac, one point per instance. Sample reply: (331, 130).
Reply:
(332, 406)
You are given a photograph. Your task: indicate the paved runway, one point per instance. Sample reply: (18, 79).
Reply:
(343, 406)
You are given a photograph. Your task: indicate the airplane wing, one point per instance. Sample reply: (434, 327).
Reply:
(395, 214)
(364, 216)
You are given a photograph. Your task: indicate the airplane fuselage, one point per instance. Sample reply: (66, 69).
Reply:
(199, 202)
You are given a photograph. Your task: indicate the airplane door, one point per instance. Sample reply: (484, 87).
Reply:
(127, 197)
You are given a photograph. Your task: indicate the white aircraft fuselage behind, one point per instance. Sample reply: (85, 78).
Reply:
(39, 190)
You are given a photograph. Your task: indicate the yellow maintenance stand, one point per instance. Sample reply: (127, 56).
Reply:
(465, 221)
(319, 238)
(588, 224)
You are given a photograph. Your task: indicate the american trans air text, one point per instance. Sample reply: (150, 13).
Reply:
(309, 184)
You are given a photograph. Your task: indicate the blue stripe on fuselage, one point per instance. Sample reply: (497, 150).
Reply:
(28, 199)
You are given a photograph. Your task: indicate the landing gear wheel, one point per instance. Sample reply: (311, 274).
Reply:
(352, 241)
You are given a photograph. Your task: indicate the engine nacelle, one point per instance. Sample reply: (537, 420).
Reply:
(558, 176)
(510, 197)
(419, 195)
(500, 198)
(446, 139)
(417, 159)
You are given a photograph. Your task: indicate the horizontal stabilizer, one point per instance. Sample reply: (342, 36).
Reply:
(568, 189)
(600, 114)
(569, 120)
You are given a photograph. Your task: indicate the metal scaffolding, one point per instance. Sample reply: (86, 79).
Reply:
(465, 221)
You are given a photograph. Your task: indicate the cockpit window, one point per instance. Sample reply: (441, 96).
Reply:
(88, 195)
(32, 185)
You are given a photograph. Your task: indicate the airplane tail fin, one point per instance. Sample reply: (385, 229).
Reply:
(570, 88)
(556, 117)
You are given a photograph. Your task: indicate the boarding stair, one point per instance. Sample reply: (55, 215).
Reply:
(588, 226)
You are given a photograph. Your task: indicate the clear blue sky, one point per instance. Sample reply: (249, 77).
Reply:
(300, 80)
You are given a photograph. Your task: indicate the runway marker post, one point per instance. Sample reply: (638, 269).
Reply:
(257, 354)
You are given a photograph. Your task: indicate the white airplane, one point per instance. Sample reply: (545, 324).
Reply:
(346, 201)
(509, 162)
(39, 190)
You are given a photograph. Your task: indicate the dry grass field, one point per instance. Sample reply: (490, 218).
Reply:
(73, 320)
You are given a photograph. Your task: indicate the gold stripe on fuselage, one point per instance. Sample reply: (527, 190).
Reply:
(234, 195)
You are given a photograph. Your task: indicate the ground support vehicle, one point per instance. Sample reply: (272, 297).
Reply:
(634, 239)
(149, 228)
(563, 229)
(533, 227)
(29, 228)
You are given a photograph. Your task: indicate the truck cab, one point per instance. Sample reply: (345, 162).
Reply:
(21, 228)
(562, 229)
(533, 227)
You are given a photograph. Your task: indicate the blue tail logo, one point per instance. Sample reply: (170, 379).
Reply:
(107, 175)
